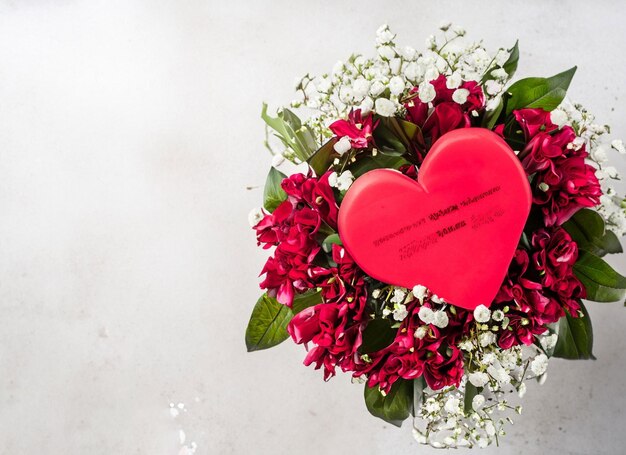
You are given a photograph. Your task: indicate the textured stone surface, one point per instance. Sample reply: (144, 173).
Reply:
(129, 132)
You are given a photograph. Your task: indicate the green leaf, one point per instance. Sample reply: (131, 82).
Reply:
(368, 163)
(470, 392)
(575, 337)
(539, 92)
(273, 194)
(378, 334)
(419, 384)
(394, 407)
(291, 132)
(587, 228)
(306, 300)
(510, 66)
(611, 243)
(603, 284)
(268, 324)
(491, 117)
(321, 160)
(389, 141)
(332, 239)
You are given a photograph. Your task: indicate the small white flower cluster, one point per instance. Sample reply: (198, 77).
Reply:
(378, 83)
(443, 420)
(599, 146)
(341, 181)
(397, 299)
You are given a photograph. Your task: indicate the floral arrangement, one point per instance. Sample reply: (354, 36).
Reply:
(459, 373)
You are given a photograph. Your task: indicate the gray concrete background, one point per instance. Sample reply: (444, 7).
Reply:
(129, 131)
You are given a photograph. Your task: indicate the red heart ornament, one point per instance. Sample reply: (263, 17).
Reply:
(454, 230)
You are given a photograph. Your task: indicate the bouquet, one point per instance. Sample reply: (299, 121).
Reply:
(437, 232)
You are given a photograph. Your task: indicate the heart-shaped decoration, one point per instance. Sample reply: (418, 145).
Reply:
(454, 230)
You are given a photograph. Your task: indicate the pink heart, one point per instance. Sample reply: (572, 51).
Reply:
(455, 230)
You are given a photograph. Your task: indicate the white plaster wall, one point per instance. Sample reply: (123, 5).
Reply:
(129, 131)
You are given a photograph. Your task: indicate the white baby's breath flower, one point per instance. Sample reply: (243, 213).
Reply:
(440, 319)
(499, 373)
(432, 406)
(486, 338)
(255, 215)
(399, 312)
(521, 390)
(436, 299)
(398, 296)
(611, 171)
(493, 103)
(482, 314)
(377, 88)
(454, 80)
(408, 53)
(577, 143)
(539, 365)
(493, 87)
(549, 342)
(324, 84)
(458, 30)
(478, 378)
(386, 52)
(396, 85)
(431, 74)
(421, 332)
(385, 107)
(361, 87)
(426, 315)
(342, 181)
(598, 154)
(366, 106)
(477, 402)
(497, 315)
(332, 179)
(489, 358)
(501, 57)
(394, 65)
(419, 292)
(342, 145)
(431, 42)
(411, 72)
(467, 345)
(499, 73)
(460, 95)
(618, 145)
(490, 429)
(558, 117)
(453, 405)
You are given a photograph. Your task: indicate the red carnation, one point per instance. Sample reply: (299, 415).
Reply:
(567, 185)
(334, 326)
(534, 121)
(554, 258)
